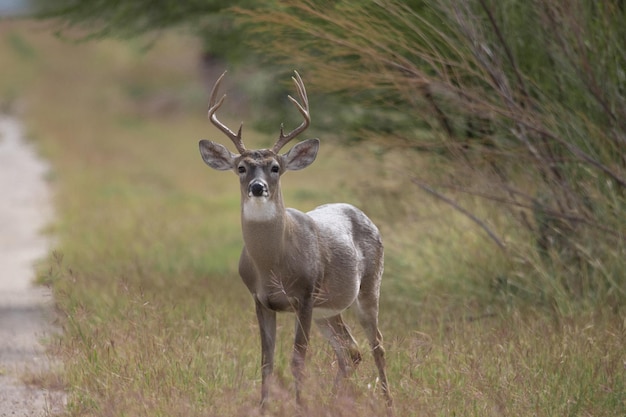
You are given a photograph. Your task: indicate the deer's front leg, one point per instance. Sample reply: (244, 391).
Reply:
(267, 327)
(304, 315)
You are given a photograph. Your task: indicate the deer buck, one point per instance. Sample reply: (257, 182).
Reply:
(316, 264)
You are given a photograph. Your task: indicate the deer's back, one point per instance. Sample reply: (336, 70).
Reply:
(341, 223)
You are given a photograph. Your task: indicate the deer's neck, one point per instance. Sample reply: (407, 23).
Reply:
(264, 225)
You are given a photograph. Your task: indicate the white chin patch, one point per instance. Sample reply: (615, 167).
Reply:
(259, 209)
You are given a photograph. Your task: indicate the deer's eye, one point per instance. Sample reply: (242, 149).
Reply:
(241, 169)
(275, 168)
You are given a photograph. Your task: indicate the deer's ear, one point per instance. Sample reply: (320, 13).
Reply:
(302, 155)
(216, 156)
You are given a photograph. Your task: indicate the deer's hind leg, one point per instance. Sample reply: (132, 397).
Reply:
(346, 348)
(367, 312)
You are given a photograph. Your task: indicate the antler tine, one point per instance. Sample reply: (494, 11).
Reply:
(302, 108)
(213, 106)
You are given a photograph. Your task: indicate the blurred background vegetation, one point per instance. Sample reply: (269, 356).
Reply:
(522, 104)
(485, 138)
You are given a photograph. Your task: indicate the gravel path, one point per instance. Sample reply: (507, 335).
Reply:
(25, 310)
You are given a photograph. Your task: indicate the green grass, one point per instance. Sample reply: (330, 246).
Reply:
(155, 319)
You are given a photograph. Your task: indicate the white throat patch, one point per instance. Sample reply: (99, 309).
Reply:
(259, 209)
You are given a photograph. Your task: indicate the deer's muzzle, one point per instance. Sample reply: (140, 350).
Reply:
(257, 188)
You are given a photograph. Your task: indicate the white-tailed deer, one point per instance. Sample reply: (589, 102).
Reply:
(316, 264)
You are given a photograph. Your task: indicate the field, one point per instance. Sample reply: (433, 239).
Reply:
(155, 319)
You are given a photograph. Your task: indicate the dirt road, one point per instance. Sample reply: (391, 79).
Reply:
(25, 310)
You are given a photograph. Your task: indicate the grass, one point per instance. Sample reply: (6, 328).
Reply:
(155, 319)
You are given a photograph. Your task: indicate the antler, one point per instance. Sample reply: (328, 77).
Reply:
(213, 106)
(302, 108)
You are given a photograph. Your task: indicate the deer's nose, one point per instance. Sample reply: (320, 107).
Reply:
(257, 189)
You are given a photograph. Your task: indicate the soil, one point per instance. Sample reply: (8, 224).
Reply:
(26, 313)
